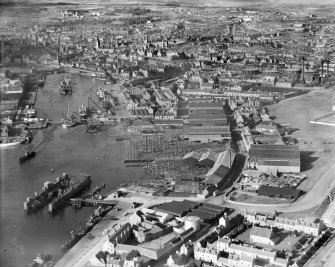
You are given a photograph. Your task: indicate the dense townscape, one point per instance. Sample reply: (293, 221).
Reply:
(228, 113)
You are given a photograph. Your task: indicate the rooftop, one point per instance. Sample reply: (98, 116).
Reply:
(261, 232)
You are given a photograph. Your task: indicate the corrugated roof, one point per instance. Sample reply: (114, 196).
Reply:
(210, 155)
(295, 163)
(210, 130)
(270, 151)
(209, 111)
(177, 208)
(214, 105)
(206, 116)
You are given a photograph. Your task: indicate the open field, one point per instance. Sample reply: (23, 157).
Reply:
(318, 166)
(317, 142)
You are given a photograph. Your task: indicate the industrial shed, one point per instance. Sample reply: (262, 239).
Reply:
(273, 191)
(191, 158)
(209, 134)
(207, 119)
(215, 105)
(177, 208)
(219, 172)
(273, 158)
(208, 159)
(187, 183)
(209, 111)
(208, 212)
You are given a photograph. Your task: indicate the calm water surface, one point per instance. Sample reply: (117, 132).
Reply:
(22, 236)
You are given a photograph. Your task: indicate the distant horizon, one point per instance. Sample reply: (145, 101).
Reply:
(195, 3)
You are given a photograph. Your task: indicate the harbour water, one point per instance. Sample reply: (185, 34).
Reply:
(22, 236)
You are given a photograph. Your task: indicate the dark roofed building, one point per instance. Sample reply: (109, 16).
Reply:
(220, 171)
(208, 159)
(205, 215)
(191, 158)
(273, 158)
(209, 111)
(207, 119)
(273, 191)
(177, 208)
(187, 183)
(215, 105)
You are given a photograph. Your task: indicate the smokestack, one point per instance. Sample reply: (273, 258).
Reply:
(321, 70)
(303, 69)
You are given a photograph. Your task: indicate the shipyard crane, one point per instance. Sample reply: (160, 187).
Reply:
(95, 104)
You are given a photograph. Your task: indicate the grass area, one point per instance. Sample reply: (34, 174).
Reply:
(253, 198)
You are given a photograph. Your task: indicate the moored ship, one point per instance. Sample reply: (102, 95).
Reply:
(31, 111)
(6, 140)
(41, 81)
(98, 214)
(73, 190)
(83, 112)
(45, 196)
(65, 86)
(38, 124)
(11, 141)
(70, 119)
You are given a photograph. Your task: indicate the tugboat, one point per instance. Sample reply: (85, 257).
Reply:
(27, 155)
(83, 113)
(42, 260)
(65, 87)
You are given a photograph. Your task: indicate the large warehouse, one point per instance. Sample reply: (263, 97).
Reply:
(213, 106)
(272, 158)
(208, 119)
(206, 134)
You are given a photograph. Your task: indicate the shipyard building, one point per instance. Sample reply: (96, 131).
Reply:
(208, 123)
(274, 158)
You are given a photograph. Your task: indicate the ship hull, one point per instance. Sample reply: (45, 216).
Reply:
(75, 190)
(5, 145)
(25, 158)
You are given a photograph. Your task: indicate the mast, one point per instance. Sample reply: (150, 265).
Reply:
(68, 110)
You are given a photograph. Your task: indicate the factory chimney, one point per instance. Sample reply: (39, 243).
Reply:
(321, 71)
(303, 69)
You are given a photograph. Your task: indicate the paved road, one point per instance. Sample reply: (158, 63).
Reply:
(91, 244)
(311, 199)
(324, 257)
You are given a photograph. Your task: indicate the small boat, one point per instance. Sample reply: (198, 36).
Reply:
(41, 81)
(42, 260)
(27, 155)
(31, 112)
(65, 87)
